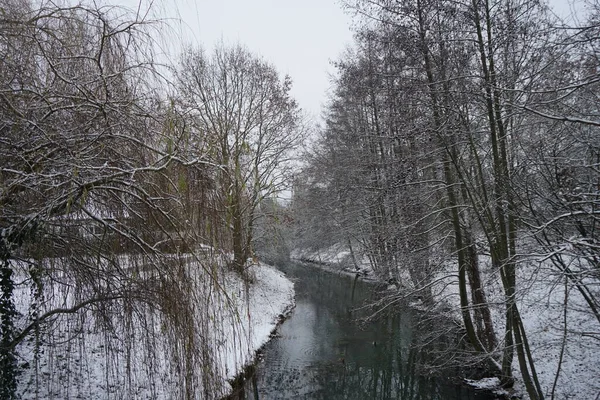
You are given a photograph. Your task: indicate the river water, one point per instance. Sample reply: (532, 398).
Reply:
(323, 353)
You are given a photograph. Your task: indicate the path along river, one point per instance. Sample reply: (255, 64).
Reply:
(322, 353)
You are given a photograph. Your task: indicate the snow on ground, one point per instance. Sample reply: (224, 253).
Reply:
(551, 328)
(138, 358)
(485, 383)
(541, 299)
(269, 299)
(337, 256)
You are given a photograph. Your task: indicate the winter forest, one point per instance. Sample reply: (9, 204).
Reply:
(144, 199)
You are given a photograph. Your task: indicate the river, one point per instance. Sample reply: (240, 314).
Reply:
(323, 353)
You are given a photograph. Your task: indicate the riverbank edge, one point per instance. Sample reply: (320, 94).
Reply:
(342, 268)
(238, 382)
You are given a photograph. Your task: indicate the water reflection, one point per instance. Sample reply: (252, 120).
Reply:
(323, 354)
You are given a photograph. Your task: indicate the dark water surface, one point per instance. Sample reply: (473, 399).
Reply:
(322, 353)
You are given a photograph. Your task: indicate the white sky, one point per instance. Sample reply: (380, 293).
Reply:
(300, 37)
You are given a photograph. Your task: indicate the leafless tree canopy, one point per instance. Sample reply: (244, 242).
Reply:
(463, 130)
(243, 118)
(116, 201)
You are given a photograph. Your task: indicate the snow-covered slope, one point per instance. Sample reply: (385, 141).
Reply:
(562, 331)
(553, 326)
(138, 359)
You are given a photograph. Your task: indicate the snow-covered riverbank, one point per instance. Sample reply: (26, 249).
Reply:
(135, 359)
(269, 299)
(336, 258)
(562, 334)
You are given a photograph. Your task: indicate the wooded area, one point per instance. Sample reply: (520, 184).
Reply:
(461, 130)
(123, 191)
(461, 142)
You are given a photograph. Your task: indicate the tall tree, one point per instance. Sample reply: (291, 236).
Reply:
(89, 210)
(438, 93)
(244, 118)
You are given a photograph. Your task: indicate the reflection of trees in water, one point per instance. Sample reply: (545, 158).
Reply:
(350, 380)
(392, 372)
(383, 359)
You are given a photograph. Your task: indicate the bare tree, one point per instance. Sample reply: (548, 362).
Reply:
(95, 184)
(243, 117)
(444, 99)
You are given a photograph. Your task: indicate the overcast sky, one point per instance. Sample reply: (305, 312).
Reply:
(300, 37)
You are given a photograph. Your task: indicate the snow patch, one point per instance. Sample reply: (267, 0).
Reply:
(541, 301)
(86, 361)
(485, 383)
